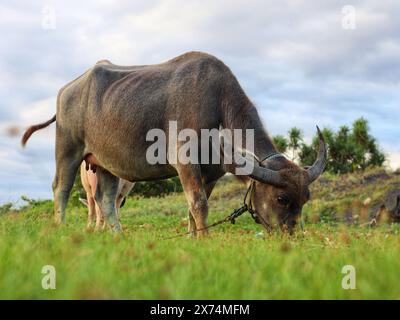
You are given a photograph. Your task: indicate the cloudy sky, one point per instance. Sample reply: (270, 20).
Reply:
(302, 63)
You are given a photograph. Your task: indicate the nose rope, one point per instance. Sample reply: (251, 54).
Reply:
(234, 215)
(249, 206)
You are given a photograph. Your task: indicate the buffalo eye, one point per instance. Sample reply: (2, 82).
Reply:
(283, 200)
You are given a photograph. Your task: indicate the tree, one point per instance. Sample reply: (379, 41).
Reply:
(360, 140)
(308, 152)
(295, 137)
(348, 149)
(376, 156)
(280, 143)
(342, 152)
(369, 152)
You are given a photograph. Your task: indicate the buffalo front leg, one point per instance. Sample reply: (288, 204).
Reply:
(106, 193)
(208, 187)
(190, 177)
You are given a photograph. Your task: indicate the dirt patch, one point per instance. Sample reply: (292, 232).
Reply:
(376, 176)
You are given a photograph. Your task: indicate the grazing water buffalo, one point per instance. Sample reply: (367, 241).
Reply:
(103, 117)
(89, 183)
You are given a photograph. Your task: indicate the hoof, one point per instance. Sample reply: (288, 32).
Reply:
(59, 220)
(202, 234)
(116, 228)
(192, 235)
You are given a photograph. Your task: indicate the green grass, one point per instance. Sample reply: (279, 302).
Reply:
(233, 263)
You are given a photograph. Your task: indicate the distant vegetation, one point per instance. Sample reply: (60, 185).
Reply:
(146, 189)
(349, 149)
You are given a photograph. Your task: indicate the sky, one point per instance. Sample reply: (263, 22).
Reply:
(301, 62)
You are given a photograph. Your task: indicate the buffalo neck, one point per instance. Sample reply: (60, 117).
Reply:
(263, 145)
(238, 112)
(249, 119)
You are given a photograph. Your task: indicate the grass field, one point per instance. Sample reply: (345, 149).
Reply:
(233, 263)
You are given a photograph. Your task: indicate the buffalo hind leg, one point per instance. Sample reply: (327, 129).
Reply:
(208, 187)
(106, 193)
(66, 169)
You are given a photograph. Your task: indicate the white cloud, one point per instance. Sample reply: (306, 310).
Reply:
(38, 111)
(293, 58)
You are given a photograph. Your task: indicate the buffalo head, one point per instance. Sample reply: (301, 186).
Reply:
(281, 188)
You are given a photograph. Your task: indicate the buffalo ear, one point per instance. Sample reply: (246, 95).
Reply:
(84, 201)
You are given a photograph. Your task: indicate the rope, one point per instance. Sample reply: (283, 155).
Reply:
(234, 215)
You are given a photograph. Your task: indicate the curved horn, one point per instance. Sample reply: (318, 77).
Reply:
(319, 165)
(260, 173)
(268, 176)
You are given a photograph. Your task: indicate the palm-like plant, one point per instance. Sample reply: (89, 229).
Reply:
(295, 138)
(280, 143)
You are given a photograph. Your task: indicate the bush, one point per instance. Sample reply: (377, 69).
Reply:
(349, 149)
(157, 188)
(146, 189)
(5, 208)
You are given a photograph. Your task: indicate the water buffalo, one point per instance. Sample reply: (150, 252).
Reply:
(89, 183)
(103, 116)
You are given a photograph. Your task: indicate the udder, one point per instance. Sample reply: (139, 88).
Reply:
(91, 162)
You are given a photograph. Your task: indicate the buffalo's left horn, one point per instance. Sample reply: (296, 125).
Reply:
(260, 173)
(268, 176)
(319, 165)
